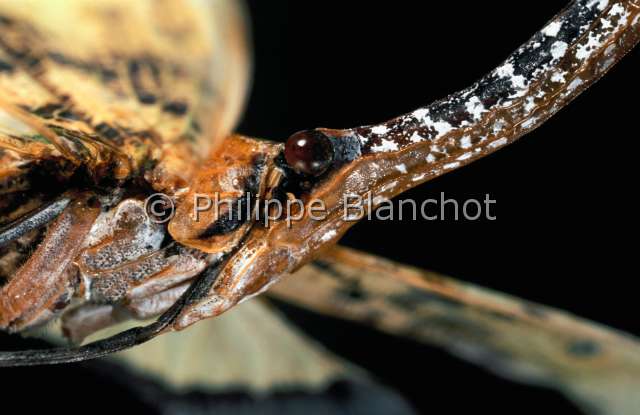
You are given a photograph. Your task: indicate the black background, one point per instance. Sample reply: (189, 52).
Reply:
(566, 228)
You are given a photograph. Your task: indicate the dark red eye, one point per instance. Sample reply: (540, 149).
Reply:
(309, 152)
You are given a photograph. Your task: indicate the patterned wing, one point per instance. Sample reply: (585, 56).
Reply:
(594, 365)
(121, 86)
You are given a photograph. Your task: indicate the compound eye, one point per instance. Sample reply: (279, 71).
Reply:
(309, 152)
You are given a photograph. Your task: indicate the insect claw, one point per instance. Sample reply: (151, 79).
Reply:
(213, 306)
(33, 220)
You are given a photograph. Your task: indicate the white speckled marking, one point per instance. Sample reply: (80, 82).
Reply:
(498, 143)
(389, 186)
(530, 122)
(386, 145)
(475, 108)
(529, 104)
(558, 49)
(442, 127)
(601, 4)
(574, 84)
(558, 76)
(465, 156)
(328, 235)
(465, 142)
(552, 29)
(380, 129)
(498, 126)
(418, 177)
(416, 138)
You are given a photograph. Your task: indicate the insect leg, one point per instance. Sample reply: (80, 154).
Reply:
(44, 278)
(124, 340)
(249, 271)
(148, 275)
(87, 319)
(139, 290)
(33, 220)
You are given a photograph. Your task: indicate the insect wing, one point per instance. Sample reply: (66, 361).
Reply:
(594, 365)
(155, 81)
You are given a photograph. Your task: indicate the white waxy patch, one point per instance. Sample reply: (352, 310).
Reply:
(363, 140)
(465, 142)
(498, 126)
(330, 234)
(442, 127)
(530, 104)
(519, 82)
(601, 4)
(475, 107)
(380, 129)
(505, 71)
(558, 76)
(140, 235)
(530, 122)
(574, 84)
(552, 29)
(450, 166)
(420, 114)
(498, 143)
(101, 228)
(465, 156)
(416, 138)
(430, 158)
(419, 177)
(384, 146)
(389, 186)
(584, 51)
(595, 40)
(558, 49)
(618, 10)
(401, 168)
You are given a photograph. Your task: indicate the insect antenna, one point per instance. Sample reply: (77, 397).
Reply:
(121, 341)
(33, 220)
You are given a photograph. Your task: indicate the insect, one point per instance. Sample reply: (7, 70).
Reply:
(85, 168)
